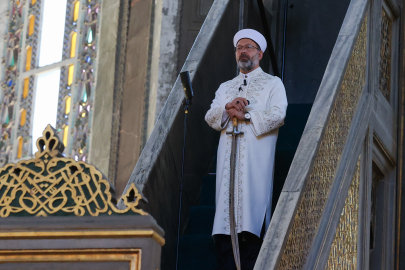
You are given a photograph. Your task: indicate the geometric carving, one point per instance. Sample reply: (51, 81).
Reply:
(51, 185)
(343, 252)
(316, 191)
(385, 55)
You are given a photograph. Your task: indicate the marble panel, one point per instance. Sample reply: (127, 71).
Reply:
(100, 140)
(135, 91)
(3, 26)
(169, 43)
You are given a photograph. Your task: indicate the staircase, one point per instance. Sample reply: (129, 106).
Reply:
(288, 139)
(197, 249)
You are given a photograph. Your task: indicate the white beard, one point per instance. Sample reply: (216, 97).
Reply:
(249, 65)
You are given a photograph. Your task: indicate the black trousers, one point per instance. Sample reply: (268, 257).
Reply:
(249, 247)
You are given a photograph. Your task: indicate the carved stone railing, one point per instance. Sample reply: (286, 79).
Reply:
(306, 230)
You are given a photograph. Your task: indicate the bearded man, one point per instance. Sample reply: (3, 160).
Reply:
(259, 102)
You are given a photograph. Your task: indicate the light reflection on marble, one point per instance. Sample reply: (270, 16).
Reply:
(3, 22)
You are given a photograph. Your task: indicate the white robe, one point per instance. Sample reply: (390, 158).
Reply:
(256, 148)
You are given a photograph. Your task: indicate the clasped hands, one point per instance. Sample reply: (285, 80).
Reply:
(236, 108)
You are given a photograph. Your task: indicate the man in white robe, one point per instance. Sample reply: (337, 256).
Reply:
(259, 102)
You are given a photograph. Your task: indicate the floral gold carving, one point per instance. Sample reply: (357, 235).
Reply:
(51, 184)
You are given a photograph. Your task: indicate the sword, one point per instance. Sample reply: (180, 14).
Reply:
(232, 226)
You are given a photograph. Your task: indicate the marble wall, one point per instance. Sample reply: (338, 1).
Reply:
(169, 43)
(135, 94)
(100, 146)
(3, 27)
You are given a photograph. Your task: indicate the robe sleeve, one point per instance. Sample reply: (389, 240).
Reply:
(217, 117)
(264, 121)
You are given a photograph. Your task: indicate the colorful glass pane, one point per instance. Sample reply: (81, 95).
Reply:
(67, 105)
(5, 116)
(33, 2)
(70, 74)
(89, 37)
(23, 114)
(87, 58)
(31, 25)
(19, 11)
(29, 56)
(65, 135)
(11, 61)
(20, 146)
(26, 87)
(76, 11)
(73, 45)
(84, 96)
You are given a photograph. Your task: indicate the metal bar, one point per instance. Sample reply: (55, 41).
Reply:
(241, 14)
(284, 38)
(267, 35)
(181, 184)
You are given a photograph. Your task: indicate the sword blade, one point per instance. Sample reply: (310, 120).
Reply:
(232, 223)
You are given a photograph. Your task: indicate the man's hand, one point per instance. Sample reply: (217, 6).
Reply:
(235, 113)
(238, 103)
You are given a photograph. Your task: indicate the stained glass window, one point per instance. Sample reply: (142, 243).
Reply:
(48, 75)
(52, 32)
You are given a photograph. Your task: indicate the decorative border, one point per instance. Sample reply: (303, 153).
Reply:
(9, 84)
(32, 40)
(132, 256)
(85, 84)
(82, 234)
(25, 130)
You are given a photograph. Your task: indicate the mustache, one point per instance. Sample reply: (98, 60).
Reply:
(244, 56)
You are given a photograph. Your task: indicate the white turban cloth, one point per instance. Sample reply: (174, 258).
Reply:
(253, 35)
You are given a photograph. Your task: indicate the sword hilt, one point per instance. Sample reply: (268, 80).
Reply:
(235, 122)
(235, 131)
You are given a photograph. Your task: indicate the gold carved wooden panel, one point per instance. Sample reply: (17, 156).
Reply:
(385, 55)
(131, 256)
(50, 184)
(317, 189)
(343, 253)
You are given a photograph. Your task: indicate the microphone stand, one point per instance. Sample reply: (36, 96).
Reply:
(186, 103)
(188, 91)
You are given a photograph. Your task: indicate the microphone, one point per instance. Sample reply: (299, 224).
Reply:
(244, 82)
(185, 81)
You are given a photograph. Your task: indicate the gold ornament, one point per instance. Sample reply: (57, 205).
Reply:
(51, 185)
